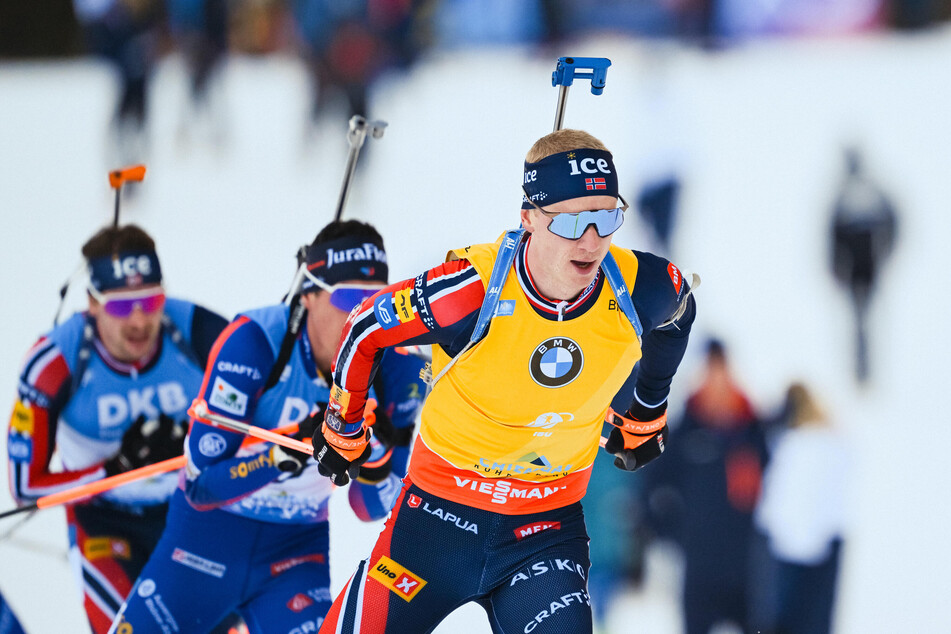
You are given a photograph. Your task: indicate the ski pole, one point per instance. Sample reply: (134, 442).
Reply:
(567, 69)
(359, 128)
(200, 412)
(118, 178)
(106, 484)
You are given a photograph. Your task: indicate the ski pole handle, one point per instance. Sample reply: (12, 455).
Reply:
(359, 128)
(567, 69)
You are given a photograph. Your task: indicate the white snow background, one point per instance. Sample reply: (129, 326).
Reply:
(757, 132)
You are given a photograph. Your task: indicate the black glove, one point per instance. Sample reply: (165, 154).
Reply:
(291, 460)
(339, 457)
(147, 442)
(638, 437)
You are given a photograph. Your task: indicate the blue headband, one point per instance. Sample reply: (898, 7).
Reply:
(129, 269)
(346, 258)
(567, 175)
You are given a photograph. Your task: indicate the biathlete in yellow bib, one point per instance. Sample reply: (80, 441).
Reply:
(533, 338)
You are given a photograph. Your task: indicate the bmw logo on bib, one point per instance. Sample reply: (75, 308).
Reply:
(556, 362)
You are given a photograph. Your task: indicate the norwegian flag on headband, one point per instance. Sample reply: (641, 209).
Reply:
(594, 183)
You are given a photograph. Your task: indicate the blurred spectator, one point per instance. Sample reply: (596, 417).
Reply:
(743, 19)
(917, 14)
(657, 205)
(650, 18)
(348, 43)
(863, 235)
(199, 30)
(703, 491)
(661, 144)
(256, 26)
(126, 33)
(38, 29)
(460, 24)
(802, 514)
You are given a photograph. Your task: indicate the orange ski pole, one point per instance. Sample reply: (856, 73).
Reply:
(199, 411)
(106, 484)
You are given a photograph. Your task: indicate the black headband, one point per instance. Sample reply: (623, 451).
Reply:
(124, 270)
(346, 258)
(572, 174)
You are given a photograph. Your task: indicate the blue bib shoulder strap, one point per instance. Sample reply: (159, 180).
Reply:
(612, 274)
(500, 271)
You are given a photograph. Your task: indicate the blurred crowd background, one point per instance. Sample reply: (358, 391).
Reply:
(347, 44)
(742, 526)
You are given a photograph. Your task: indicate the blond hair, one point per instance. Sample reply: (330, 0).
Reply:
(563, 141)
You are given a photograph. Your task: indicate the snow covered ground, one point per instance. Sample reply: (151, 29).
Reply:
(757, 133)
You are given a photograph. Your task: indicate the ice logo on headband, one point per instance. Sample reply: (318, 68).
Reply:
(127, 269)
(133, 266)
(588, 166)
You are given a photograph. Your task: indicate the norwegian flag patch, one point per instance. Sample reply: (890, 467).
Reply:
(594, 183)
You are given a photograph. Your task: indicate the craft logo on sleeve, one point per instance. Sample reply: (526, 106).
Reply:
(397, 578)
(228, 398)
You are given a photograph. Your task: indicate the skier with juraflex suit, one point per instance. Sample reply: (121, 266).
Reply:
(490, 508)
(249, 528)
